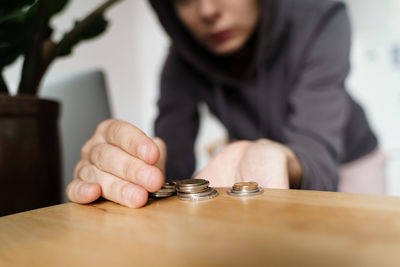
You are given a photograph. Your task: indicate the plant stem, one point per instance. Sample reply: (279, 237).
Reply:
(31, 70)
(3, 85)
(81, 26)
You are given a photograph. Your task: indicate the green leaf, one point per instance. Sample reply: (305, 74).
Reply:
(21, 14)
(15, 31)
(12, 45)
(17, 20)
(13, 4)
(56, 6)
(20, 11)
(9, 6)
(16, 28)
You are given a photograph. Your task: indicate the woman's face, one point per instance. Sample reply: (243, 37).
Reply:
(222, 26)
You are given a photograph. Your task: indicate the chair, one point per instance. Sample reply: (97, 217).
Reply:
(84, 104)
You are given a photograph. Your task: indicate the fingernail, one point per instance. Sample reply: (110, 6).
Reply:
(129, 193)
(143, 151)
(145, 176)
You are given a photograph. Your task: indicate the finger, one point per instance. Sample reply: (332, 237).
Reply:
(163, 154)
(78, 167)
(111, 159)
(87, 147)
(82, 192)
(132, 140)
(113, 188)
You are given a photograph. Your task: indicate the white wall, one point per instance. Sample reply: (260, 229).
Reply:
(375, 75)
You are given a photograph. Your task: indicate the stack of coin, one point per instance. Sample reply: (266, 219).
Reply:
(167, 190)
(245, 189)
(195, 189)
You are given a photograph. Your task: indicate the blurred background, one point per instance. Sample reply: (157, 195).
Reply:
(131, 54)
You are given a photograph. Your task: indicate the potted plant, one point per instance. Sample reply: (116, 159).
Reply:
(30, 172)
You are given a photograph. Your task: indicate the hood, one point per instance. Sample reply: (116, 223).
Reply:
(266, 38)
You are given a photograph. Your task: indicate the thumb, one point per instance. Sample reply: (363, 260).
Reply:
(162, 146)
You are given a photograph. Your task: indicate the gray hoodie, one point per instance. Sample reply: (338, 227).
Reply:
(292, 91)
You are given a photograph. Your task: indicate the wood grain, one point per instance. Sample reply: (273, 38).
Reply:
(278, 228)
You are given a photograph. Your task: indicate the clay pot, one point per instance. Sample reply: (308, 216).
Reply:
(30, 163)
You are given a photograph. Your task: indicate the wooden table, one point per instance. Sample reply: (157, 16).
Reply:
(278, 228)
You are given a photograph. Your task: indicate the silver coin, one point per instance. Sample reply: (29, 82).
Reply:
(169, 185)
(205, 192)
(193, 189)
(170, 190)
(245, 190)
(191, 183)
(196, 197)
(166, 191)
(236, 193)
(161, 194)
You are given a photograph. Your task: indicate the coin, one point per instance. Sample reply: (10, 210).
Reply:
(245, 189)
(245, 194)
(198, 194)
(169, 184)
(195, 189)
(196, 197)
(159, 194)
(167, 190)
(245, 186)
(192, 189)
(191, 182)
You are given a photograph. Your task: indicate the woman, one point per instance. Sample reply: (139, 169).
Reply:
(273, 72)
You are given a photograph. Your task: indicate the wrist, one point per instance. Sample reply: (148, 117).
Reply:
(294, 167)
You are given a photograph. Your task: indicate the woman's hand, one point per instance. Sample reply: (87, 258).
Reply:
(270, 164)
(121, 164)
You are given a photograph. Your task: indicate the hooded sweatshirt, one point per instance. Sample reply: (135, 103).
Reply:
(292, 91)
